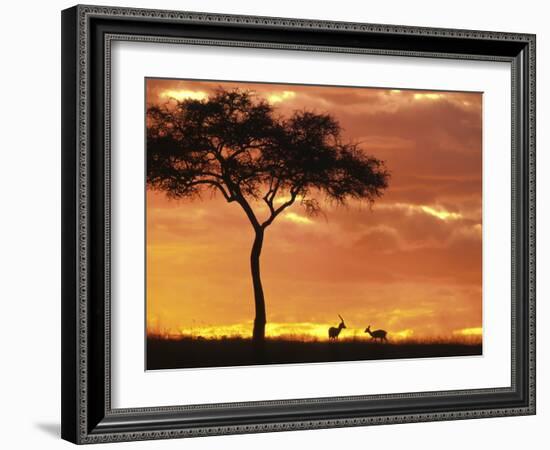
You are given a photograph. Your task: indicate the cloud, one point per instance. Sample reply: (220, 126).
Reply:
(280, 96)
(435, 210)
(297, 218)
(183, 94)
(428, 96)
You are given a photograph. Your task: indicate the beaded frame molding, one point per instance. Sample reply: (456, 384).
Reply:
(87, 35)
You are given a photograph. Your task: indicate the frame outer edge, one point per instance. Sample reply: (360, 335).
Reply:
(69, 313)
(75, 217)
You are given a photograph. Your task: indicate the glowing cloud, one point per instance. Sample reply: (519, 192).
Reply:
(297, 218)
(440, 213)
(281, 97)
(434, 211)
(428, 96)
(184, 94)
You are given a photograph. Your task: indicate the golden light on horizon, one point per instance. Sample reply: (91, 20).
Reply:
(475, 331)
(403, 334)
(302, 331)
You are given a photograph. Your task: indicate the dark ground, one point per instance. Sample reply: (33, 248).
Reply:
(189, 352)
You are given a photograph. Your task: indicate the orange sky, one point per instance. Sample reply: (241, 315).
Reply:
(411, 264)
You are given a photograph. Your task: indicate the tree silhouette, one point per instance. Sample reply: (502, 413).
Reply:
(234, 143)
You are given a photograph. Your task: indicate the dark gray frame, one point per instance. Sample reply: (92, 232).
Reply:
(87, 34)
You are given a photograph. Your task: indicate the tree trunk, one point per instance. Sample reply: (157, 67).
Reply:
(259, 301)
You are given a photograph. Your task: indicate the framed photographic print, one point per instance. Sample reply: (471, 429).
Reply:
(267, 222)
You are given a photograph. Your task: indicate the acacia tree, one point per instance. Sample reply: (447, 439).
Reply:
(233, 143)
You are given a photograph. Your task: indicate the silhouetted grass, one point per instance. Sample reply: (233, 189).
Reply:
(187, 352)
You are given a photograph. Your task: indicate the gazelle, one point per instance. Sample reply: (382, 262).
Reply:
(333, 332)
(377, 334)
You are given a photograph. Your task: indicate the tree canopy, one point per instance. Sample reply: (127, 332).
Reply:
(234, 143)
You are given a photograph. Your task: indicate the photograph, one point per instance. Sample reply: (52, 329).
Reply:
(292, 223)
(275, 221)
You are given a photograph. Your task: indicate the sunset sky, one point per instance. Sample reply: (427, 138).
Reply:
(410, 264)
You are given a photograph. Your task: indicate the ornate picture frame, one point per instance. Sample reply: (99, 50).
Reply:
(88, 33)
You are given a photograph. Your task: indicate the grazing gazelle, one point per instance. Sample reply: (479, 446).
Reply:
(377, 334)
(333, 332)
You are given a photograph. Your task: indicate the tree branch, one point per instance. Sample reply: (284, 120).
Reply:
(248, 211)
(280, 209)
(238, 196)
(217, 185)
(270, 195)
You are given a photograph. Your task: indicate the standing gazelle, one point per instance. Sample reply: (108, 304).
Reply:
(333, 332)
(377, 334)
